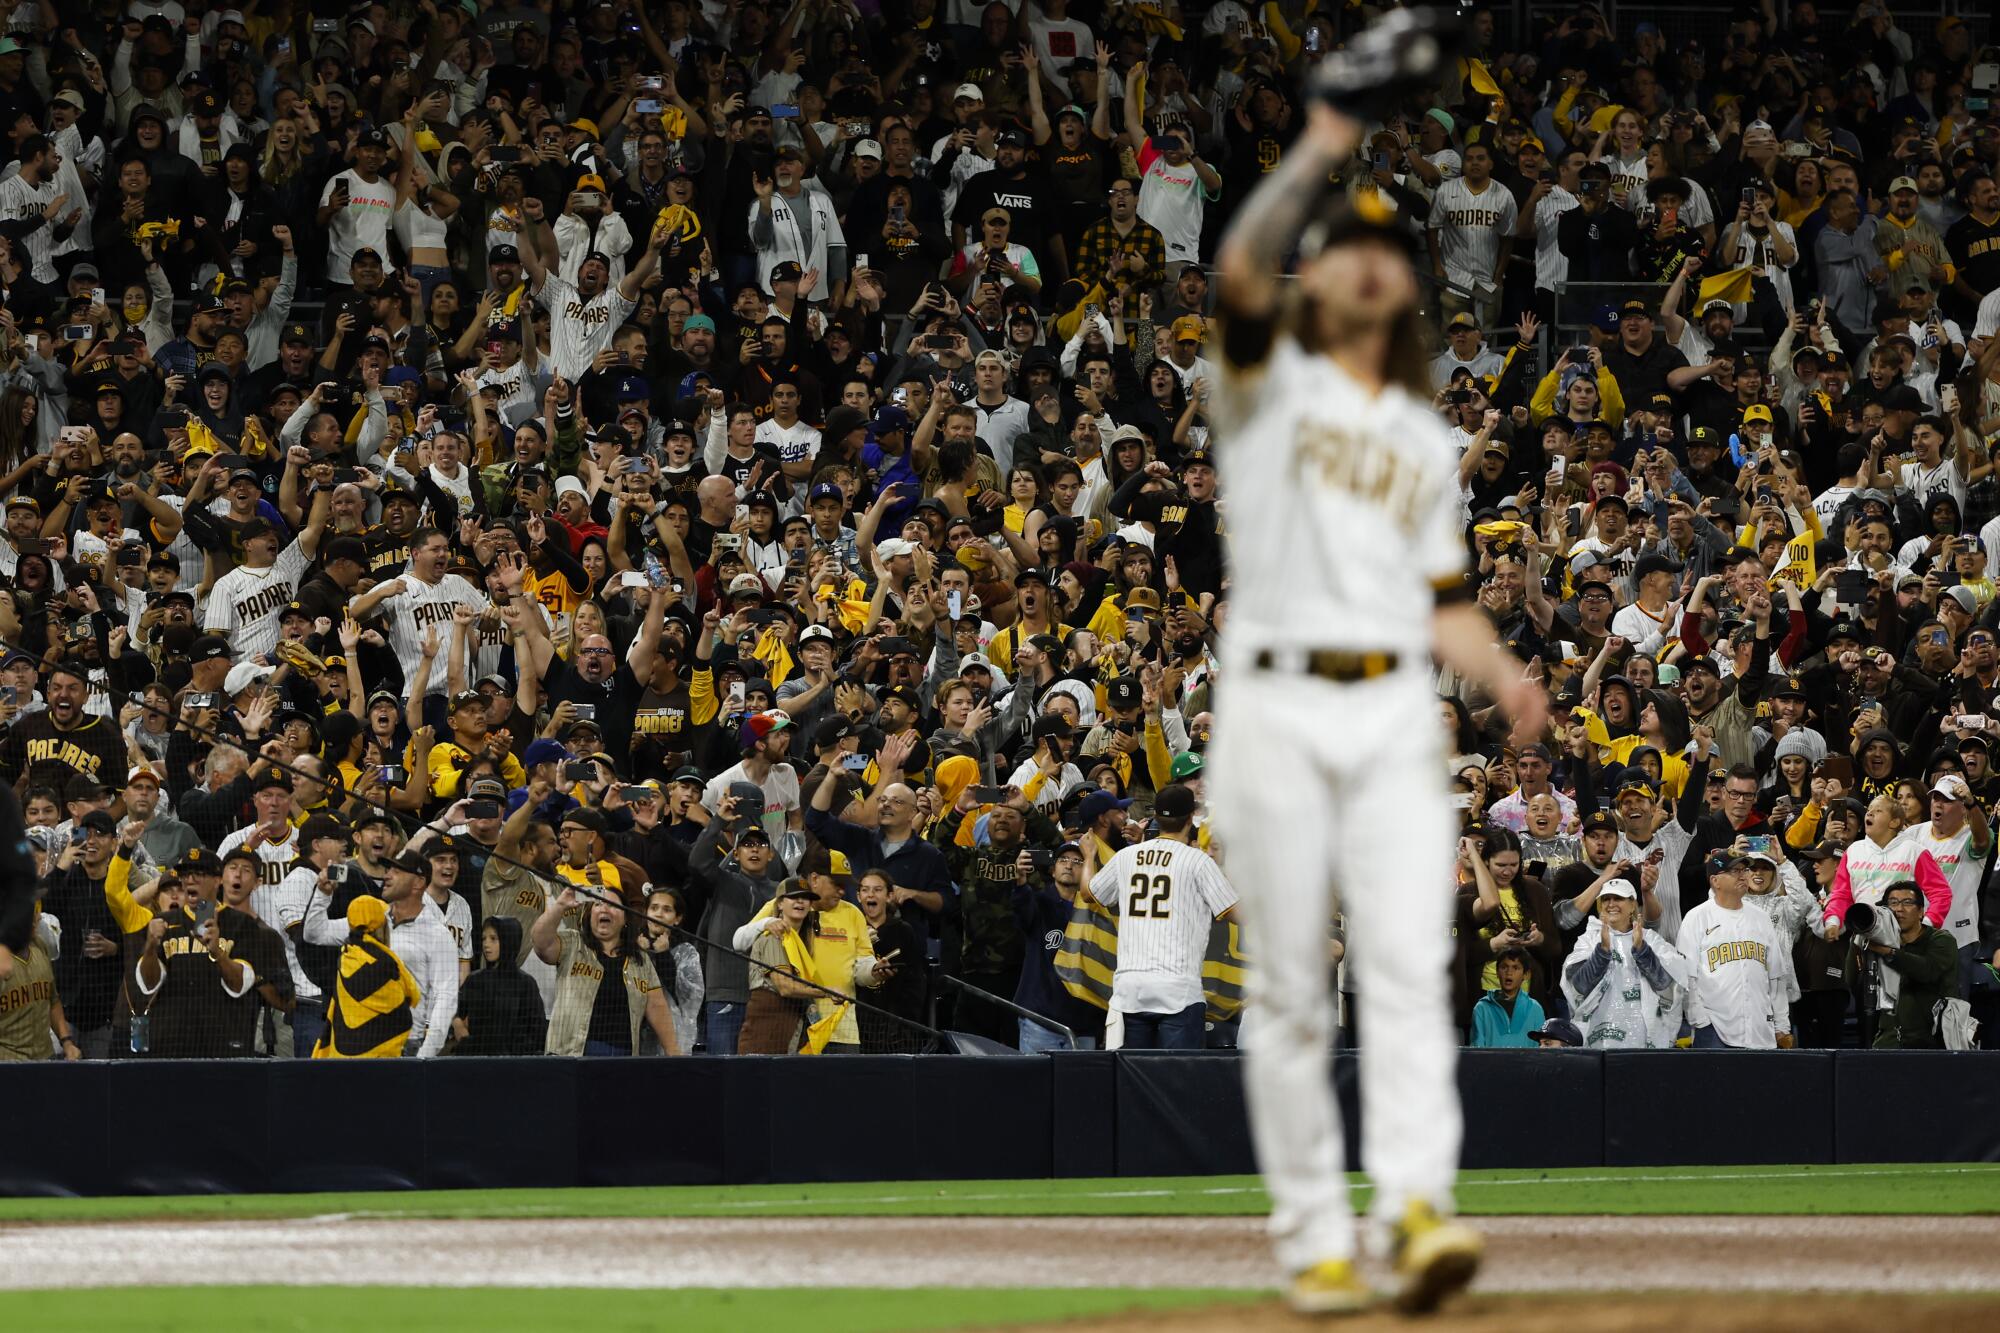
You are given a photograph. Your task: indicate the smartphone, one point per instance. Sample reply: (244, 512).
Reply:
(339, 873)
(482, 809)
(579, 770)
(956, 601)
(939, 342)
(742, 512)
(780, 111)
(734, 699)
(507, 153)
(1749, 197)
(203, 913)
(132, 555)
(897, 215)
(1461, 800)
(77, 333)
(394, 775)
(323, 26)
(647, 106)
(586, 712)
(637, 793)
(853, 763)
(1763, 844)
(589, 199)
(32, 546)
(1559, 465)
(989, 795)
(857, 129)
(1850, 587)
(1312, 40)
(861, 262)
(282, 44)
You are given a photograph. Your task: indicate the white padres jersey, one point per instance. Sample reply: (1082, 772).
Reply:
(1736, 974)
(245, 604)
(1962, 870)
(19, 199)
(278, 857)
(1356, 503)
(580, 329)
(420, 606)
(1470, 227)
(1166, 895)
(457, 922)
(282, 906)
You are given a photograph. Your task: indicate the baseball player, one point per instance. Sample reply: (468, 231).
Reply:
(1326, 757)
(1166, 893)
(1736, 975)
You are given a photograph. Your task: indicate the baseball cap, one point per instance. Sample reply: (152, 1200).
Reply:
(1187, 328)
(1600, 821)
(1094, 806)
(1558, 1029)
(1757, 412)
(1619, 888)
(1952, 787)
(970, 91)
(867, 148)
(1721, 859)
(1174, 801)
(1903, 183)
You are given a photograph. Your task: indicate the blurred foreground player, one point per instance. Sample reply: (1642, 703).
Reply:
(1327, 764)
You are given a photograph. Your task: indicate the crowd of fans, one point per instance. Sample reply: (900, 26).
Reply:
(504, 496)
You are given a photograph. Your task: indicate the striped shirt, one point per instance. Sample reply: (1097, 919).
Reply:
(19, 199)
(580, 329)
(1166, 894)
(420, 606)
(245, 604)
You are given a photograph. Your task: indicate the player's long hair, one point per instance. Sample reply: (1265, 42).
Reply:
(1408, 361)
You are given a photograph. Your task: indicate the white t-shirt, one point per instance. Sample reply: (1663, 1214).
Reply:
(245, 604)
(363, 224)
(781, 794)
(1166, 895)
(1470, 226)
(1171, 201)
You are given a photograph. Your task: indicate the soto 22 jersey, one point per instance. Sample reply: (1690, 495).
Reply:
(1352, 504)
(1166, 895)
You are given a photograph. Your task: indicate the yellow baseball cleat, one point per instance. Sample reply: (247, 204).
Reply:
(1331, 1286)
(1435, 1258)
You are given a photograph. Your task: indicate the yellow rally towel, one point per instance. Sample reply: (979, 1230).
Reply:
(254, 444)
(201, 440)
(1475, 73)
(1733, 286)
(771, 651)
(1799, 564)
(820, 1033)
(1155, 21)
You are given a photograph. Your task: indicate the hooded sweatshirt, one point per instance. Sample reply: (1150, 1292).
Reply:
(501, 1005)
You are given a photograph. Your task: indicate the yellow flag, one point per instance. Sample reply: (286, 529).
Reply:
(1475, 73)
(1733, 287)
(1798, 565)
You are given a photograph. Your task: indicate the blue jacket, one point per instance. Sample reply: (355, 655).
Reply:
(1492, 1026)
(917, 864)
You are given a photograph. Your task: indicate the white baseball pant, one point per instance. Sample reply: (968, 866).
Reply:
(1313, 783)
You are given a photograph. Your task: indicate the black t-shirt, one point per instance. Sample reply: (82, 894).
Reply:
(1975, 245)
(1641, 377)
(616, 699)
(610, 1012)
(1030, 205)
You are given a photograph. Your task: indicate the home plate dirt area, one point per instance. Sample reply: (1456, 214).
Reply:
(1579, 1273)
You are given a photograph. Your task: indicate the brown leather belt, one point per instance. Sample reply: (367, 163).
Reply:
(1342, 668)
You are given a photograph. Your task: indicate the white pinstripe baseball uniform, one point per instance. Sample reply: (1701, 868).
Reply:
(580, 329)
(19, 199)
(277, 858)
(245, 604)
(420, 606)
(1736, 974)
(1166, 895)
(1316, 780)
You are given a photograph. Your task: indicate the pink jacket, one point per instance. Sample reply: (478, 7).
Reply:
(1866, 872)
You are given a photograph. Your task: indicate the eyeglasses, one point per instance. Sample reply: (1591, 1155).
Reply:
(595, 652)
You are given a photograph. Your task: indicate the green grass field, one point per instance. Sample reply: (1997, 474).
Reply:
(1892, 1188)
(449, 1310)
(1798, 1190)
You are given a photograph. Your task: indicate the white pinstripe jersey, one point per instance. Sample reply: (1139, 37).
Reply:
(580, 329)
(420, 606)
(1166, 895)
(245, 604)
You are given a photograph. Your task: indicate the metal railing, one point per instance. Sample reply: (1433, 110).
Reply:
(966, 988)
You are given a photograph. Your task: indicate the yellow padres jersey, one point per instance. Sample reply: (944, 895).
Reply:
(1355, 504)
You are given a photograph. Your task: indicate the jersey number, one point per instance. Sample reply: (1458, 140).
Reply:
(1158, 886)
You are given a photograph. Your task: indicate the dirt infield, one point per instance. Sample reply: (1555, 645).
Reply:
(1723, 1256)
